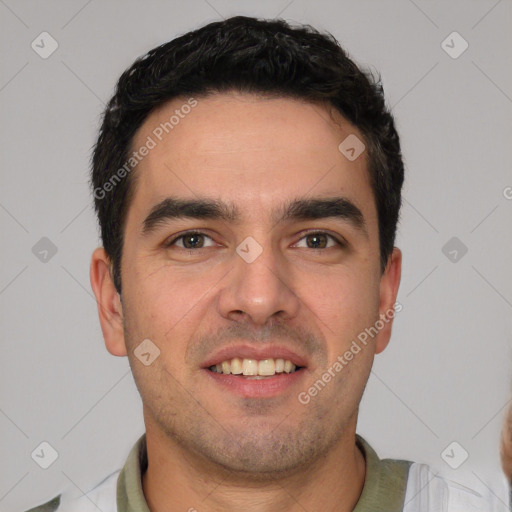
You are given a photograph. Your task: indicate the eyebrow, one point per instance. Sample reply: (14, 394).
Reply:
(297, 209)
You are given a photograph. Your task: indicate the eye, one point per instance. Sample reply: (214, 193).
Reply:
(320, 240)
(190, 240)
(196, 240)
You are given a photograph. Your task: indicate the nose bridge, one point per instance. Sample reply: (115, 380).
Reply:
(259, 263)
(258, 285)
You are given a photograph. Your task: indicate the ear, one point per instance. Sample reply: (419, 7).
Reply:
(389, 284)
(110, 309)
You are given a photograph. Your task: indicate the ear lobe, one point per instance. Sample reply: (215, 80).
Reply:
(110, 308)
(389, 284)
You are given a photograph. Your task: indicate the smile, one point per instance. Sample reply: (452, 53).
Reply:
(253, 367)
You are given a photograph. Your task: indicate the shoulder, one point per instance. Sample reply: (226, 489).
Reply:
(431, 490)
(102, 496)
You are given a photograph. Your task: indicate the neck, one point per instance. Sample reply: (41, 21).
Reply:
(178, 480)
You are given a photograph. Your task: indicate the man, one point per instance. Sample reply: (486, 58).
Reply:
(247, 180)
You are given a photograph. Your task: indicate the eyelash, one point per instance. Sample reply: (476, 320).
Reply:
(171, 242)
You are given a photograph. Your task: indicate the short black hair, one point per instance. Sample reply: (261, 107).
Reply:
(248, 55)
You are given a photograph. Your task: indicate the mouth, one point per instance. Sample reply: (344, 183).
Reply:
(255, 372)
(253, 369)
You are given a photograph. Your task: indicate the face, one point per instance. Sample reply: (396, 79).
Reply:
(275, 277)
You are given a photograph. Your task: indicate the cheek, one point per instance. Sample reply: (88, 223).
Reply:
(348, 306)
(346, 300)
(163, 296)
(167, 306)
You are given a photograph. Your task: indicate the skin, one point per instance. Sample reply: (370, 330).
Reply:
(208, 448)
(506, 445)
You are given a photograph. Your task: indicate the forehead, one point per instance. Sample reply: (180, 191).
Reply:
(247, 150)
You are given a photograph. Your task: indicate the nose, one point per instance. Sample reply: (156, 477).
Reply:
(258, 290)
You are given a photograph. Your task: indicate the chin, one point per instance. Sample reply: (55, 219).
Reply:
(262, 456)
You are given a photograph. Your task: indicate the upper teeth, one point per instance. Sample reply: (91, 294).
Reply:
(265, 367)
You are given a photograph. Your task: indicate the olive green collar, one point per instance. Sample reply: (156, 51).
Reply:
(385, 482)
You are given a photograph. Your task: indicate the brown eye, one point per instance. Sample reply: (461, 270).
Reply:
(191, 240)
(317, 241)
(320, 240)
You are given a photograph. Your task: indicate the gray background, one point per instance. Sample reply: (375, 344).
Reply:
(446, 373)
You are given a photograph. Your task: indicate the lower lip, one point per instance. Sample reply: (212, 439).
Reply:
(257, 388)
